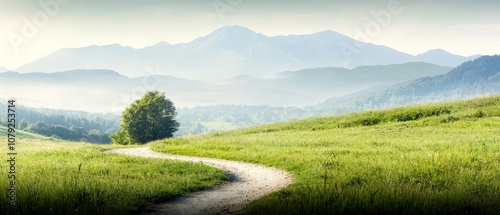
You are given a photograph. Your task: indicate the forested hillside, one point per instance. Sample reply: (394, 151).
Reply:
(480, 77)
(64, 124)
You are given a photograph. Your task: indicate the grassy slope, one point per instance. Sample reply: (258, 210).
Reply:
(428, 159)
(58, 177)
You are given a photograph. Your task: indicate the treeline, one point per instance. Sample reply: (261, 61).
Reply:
(190, 128)
(106, 123)
(469, 80)
(72, 133)
(240, 116)
(65, 124)
(96, 128)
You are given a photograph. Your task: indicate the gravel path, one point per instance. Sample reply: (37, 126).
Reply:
(247, 182)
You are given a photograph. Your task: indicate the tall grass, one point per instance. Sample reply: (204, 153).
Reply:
(77, 178)
(425, 159)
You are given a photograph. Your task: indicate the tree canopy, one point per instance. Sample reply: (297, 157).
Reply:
(150, 118)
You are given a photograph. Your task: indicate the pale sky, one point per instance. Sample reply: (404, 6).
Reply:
(460, 27)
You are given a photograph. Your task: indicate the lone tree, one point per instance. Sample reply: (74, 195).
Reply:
(150, 118)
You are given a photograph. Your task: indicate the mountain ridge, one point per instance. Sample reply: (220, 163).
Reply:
(227, 52)
(299, 88)
(480, 77)
(440, 55)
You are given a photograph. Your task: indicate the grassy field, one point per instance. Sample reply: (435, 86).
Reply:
(427, 159)
(220, 126)
(57, 177)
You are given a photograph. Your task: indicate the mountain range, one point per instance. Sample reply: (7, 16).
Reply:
(107, 90)
(235, 65)
(480, 77)
(3, 69)
(322, 83)
(444, 58)
(234, 50)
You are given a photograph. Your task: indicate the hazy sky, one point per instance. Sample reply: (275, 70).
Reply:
(28, 31)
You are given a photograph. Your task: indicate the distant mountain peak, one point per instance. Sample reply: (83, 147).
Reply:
(162, 44)
(230, 36)
(443, 57)
(328, 32)
(435, 52)
(2, 69)
(235, 29)
(108, 46)
(233, 50)
(439, 51)
(90, 72)
(333, 35)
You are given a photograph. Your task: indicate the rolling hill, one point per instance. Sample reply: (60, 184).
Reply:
(27, 135)
(106, 90)
(91, 181)
(322, 83)
(442, 57)
(480, 77)
(424, 159)
(231, 51)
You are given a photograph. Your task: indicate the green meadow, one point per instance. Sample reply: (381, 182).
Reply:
(441, 158)
(220, 126)
(58, 177)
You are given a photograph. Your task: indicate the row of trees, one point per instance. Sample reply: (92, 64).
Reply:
(106, 123)
(65, 124)
(244, 115)
(190, 128)
(72, 133)
(150, 118)
(153, 117)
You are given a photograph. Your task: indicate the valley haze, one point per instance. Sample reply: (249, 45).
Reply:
(231, 65)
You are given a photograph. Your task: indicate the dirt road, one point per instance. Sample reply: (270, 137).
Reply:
(247, 182)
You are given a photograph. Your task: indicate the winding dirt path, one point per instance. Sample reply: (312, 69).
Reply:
(247, 182)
